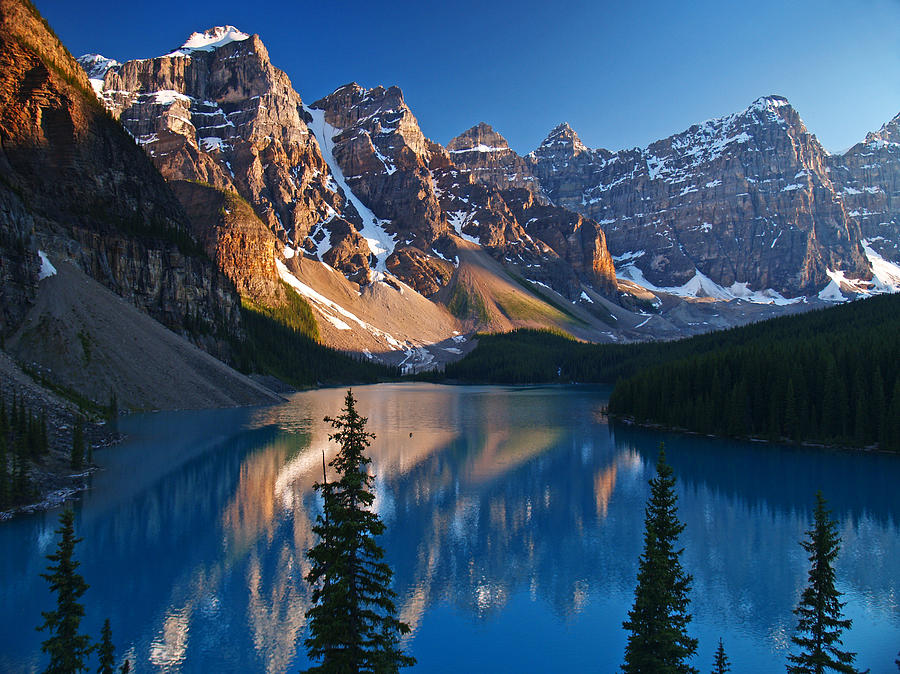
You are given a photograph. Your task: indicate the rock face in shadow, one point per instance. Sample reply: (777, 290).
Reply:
(746, 198)
(75, 185)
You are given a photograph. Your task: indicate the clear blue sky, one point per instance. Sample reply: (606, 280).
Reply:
(622, 73)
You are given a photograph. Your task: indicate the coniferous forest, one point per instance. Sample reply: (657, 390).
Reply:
(830, 376)
(284, 344)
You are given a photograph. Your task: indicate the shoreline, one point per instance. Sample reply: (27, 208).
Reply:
(630, 421)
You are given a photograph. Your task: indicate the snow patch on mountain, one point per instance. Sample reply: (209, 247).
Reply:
(333, 312)
(210, 40)
(47, 269)
(459, 219)
(886, 273)
(481, 147)
(380, 242)
(701, 285)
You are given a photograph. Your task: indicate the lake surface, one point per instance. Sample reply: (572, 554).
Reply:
(514, 525)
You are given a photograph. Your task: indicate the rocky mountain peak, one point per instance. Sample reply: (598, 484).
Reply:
(210, 40)
(96, 66)
(888, 134)
(480, 138)
(562, 139)
(381, 113)
(742, 199)
(869, 177)
(773, 109)
(771, 102)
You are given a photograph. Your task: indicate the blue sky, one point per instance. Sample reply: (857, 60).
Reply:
(623, 74)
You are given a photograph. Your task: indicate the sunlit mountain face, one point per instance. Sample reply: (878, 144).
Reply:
(514, 525)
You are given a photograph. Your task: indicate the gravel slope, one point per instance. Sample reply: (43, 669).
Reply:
(84, 337)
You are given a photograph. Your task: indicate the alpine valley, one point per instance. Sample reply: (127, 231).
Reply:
(307, 385)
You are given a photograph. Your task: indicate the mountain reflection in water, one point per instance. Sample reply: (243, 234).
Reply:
(514, 525)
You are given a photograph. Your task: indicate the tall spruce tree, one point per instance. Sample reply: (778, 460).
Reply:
(352, 623)
(106, 652)
(819, 616)
(66, 647)
(721, 665)
(4, 473)
(658, 641)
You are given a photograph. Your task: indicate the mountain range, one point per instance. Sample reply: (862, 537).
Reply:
(749, 206)
(195, 181)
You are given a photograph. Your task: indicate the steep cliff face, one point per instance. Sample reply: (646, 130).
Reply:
(234, 238)
(423, 199)
(743, 199)
(375, 149)
(580, 242)
(869, 178)
(73, 184)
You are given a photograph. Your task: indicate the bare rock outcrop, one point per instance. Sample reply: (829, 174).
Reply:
(869, 178)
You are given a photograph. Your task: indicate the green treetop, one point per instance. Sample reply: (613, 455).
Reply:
(66, 647)
(819, 614)
(658, 641)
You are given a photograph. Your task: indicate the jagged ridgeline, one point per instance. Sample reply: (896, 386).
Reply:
(830, 376)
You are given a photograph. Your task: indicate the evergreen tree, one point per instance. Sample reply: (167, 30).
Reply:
(106, 652)
(657, 623)
(819, 621)
(45, 442)
(721, 664)
(4, 473)
(76, 459)
(352, 623)
(890, 428)
(20, 489)
(65, 646)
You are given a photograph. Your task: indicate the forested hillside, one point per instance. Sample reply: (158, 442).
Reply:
(830, 376)
(284, 342)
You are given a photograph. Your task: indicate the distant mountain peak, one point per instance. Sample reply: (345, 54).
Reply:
(480, 138)
(770, 102)
(888, 134)
(563, 136)
(210, 40)
(96, 65)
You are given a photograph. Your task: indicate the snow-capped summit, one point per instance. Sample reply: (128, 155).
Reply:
(769, 102)
(96, 65)
(209, 40)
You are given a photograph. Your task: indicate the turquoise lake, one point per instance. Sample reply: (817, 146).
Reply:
(514, 526)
